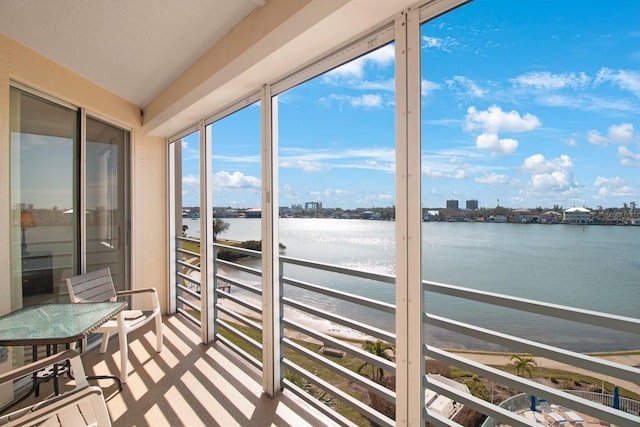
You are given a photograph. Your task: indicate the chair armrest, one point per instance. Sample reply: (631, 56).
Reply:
(153, 293)
(38, 365)
(136, 291)
(56, 403)
(78, 407)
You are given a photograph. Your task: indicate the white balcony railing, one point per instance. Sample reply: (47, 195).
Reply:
(597, 366)
(237, 323)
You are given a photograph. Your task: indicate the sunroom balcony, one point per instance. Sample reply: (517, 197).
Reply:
(240, 357)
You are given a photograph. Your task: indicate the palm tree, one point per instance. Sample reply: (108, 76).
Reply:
(523, 364)
(625, 213)
(378, 348)
(219, 226)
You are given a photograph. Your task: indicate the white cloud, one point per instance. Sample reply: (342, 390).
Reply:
(555, 100)
(252, 159)
(355, 69)
(624, 79)
(319, 159)
(617, 134)
(557, 179)
(621, 134)
(353, 76)
(443, 44)
(386, 154)
(491, 142)
(585, 101)
(381, 159)
(431, 42)
(367, 101)
(331, 193)
(492, 178)
(305, 165)
(375, 165)
(387, 197)
(466, 87)
(461, 173)
(627, 157)
(442, 170)
(364, 101)
(432, 173)
(547, 80)
(605, 182)
(494, 120)
(388, 85)
(550, 175)
(237, 179)
(427, 87)
(190, 180)
(189, 153)
(384, 56)
(578, 86)
(289, 192)
(595, 138)
(537, 164)
(612, 187)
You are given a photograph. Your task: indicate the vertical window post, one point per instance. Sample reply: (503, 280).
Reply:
(271, 315)
(207, 281)
(409, 359)
(174, 197)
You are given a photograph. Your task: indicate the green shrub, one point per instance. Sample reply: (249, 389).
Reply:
(478, 389)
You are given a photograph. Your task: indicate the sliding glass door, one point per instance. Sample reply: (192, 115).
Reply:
(50, 239)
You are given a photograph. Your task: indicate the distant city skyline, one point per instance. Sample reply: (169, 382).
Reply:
(318, 206)
(532, 103)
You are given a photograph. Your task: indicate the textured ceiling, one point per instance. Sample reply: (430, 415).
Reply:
(134, 48)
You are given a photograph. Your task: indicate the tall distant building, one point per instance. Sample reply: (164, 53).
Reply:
(472, 204)
(312, 206)
(452, 204)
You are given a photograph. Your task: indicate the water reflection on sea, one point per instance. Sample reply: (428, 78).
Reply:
(591, 267)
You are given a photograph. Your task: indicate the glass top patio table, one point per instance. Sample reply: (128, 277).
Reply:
(55, 323)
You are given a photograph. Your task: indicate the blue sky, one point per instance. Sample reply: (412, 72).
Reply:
(532, 103)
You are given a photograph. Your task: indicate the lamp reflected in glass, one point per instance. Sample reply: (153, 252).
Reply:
(26, 221)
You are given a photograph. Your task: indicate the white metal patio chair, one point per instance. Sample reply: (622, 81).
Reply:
(84, 405)
(97, 286)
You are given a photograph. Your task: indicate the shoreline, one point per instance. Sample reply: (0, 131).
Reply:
(603, 354)
(624, 358)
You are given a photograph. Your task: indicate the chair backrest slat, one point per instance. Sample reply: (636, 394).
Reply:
(96, 286)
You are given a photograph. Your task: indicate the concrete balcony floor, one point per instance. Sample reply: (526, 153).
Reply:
(190, 384)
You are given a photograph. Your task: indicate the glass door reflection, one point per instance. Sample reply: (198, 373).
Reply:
(44, 140)
(106, 222)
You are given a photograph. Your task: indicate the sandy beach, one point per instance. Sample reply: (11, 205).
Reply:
(624, 358)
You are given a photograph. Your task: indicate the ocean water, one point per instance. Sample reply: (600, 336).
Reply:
(591, 267)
